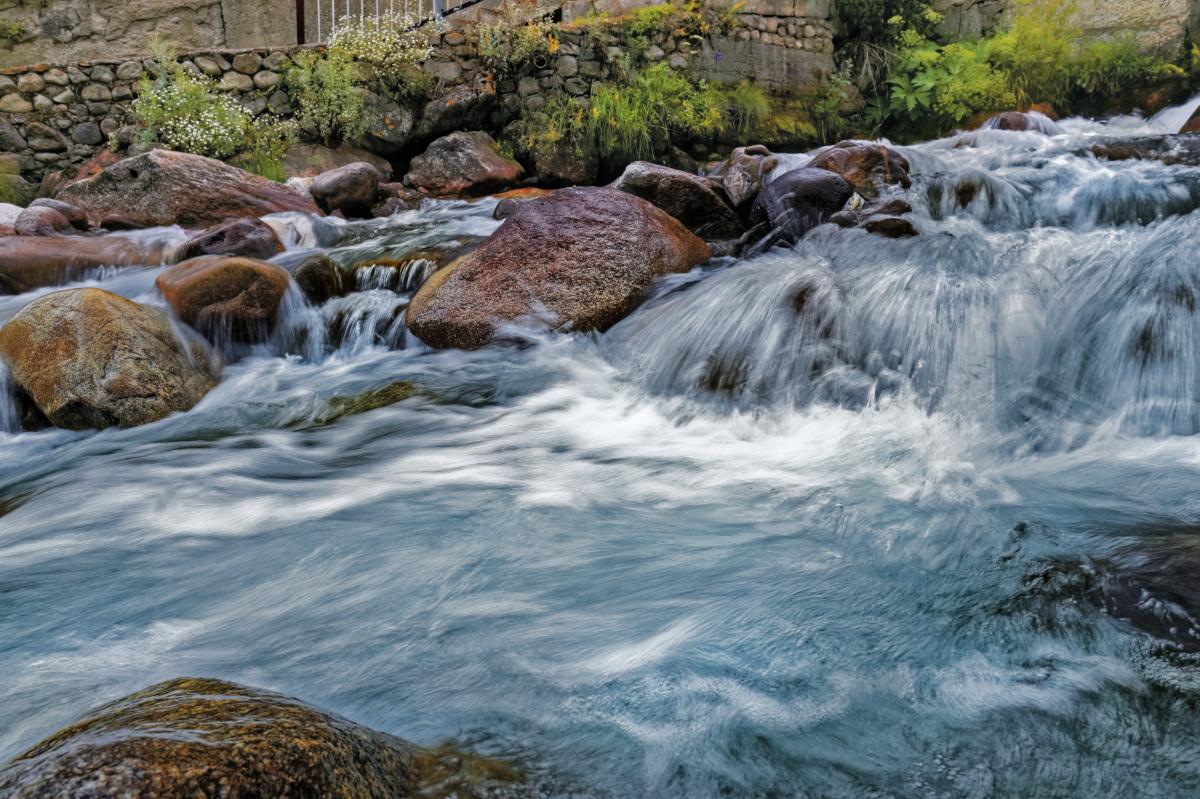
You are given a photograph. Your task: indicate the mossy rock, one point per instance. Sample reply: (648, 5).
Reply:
(15, 189)
(340, 407)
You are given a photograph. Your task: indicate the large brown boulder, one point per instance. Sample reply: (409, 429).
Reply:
(578, 259)
(463, 163)
(250, 238)
(866, 167)
(91, 359)
(226, 299)
(691, 199)
(162, 187)
(41, 221)
(199, 737)
(29, 262)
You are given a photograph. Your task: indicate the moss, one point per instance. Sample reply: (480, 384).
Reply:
(340, 407)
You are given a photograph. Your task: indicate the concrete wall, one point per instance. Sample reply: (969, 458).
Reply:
(74, 30)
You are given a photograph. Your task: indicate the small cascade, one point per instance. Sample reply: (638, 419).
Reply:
(406, 277)
(299, 327)
(303, 231)
(10, 408)
(1173, 119)
(365, 319)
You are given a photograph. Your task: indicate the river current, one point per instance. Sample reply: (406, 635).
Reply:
(825, 522)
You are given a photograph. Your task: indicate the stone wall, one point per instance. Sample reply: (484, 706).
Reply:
(72, 30)
(1158, 25)
(56, 117)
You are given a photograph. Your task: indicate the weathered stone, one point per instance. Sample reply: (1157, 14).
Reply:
(689, 198)
(867, 167)
(463, 163)
(208, 66)
(447, 71)
(254, 105)
(11, 139)
(892, 227)
(102, 74)
(44, 138)
(56, 77)
(15, 104)
(567, 66)
(87, 133)
(247, 63)
(310, 160)
(320, 278)
(162, 187)
(577, 259)
(65, 97)
(130, 70)
(96, 93)
(122, 93)
(797, 201)
(77, 218)
(249, 238)
(279, 103)
(743, 174)
(266, 80)
(28, 263)
(42, 103)
(235, 82)
(193, 737)
(30, 83)
(390, 124)
(225, 298)
(349, 189)
(463, 107)
(276, 62)
(40, 221)
(91, 359)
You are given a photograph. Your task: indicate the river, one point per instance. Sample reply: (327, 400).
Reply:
(825, 522)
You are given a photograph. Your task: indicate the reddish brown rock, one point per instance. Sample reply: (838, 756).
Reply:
(29, 262)
(866, 167)
(37, 221)
(350, 189)
(250, 238)
(162, 187)
(691, 199)
(225, 298)
(91, 359)
(463, 163)
(196, 737)
(579, 259)
(77, 218)
(1022, 121)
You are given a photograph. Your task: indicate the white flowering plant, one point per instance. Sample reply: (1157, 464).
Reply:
(183, 111)
(390, 42)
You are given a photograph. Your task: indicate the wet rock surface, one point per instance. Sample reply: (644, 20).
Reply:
(202, 737)
(91, 359)
(463, 163)
(162, 187)
(350, 189)
(795, 202)
(868, 167)
(578, 259)
(250, 238)
(693, 200)
(225, 298)
(28, 262)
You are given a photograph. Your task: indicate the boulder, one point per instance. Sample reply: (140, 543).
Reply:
(304, 160)
(389, 126)
(867, 167)
(91, 359)
(250, 238)
(199, 737)
(689, 198)
(578, 259)
(463, 107)
(77, 218)
(797, 201)
(463, 163)
(742, 176)
(226, 299)
(40, 221)
(15, 190)
(163, 187)
(29, 262)
(1022, 121)
(350, 189)
(890, 227)
(320, 278)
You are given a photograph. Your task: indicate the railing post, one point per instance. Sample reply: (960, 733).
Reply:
(437, 9)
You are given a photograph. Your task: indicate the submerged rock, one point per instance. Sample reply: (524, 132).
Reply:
(463, 163)
(29, 262)
(1023, 121)
(578, 259)
(691, 199)
(350, 189)
(1183, 150)
(797, 201)
(91, 359)
(162, 187)
(868, 168)
(226, 299)
(250, 238)
(199, 737)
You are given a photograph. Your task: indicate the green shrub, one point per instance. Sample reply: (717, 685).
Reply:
(330, 102)
(520, 38)
(184, 112)
(267, 144)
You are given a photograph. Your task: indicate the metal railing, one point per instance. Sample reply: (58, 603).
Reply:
(331, 13)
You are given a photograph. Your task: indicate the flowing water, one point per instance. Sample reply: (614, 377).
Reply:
(827, 522)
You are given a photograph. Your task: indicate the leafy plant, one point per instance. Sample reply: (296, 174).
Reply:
(390, 43)
(518, 40)
(12, 32)
(183, 111)
(267, 144)
(331, 103)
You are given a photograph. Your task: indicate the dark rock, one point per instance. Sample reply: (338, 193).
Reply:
(87, 133)
(689, 198)
(390, 128)
(1181, 150)
(226, 299)
(115, 222)
(578, 259)
(558, 164)
(1022, 121)
(349, 189)
(28, 262)
(11, 140)
(162, 187)
(320, 278)
(250, 238)
(463, 163)
(891, 227)
(91, 359)
(392, 206)
(797, 201)
(196, 737)
(743, 174)
(463, 107)
(77, 218)
(866, 167)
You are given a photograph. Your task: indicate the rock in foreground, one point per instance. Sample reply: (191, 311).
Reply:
(226, 299)
(577, 259)
(91, 359)
(29, 262)
(195, 737)
(162, 187)
(797, 201)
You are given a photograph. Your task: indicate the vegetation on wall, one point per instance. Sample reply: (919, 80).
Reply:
(520, 40)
